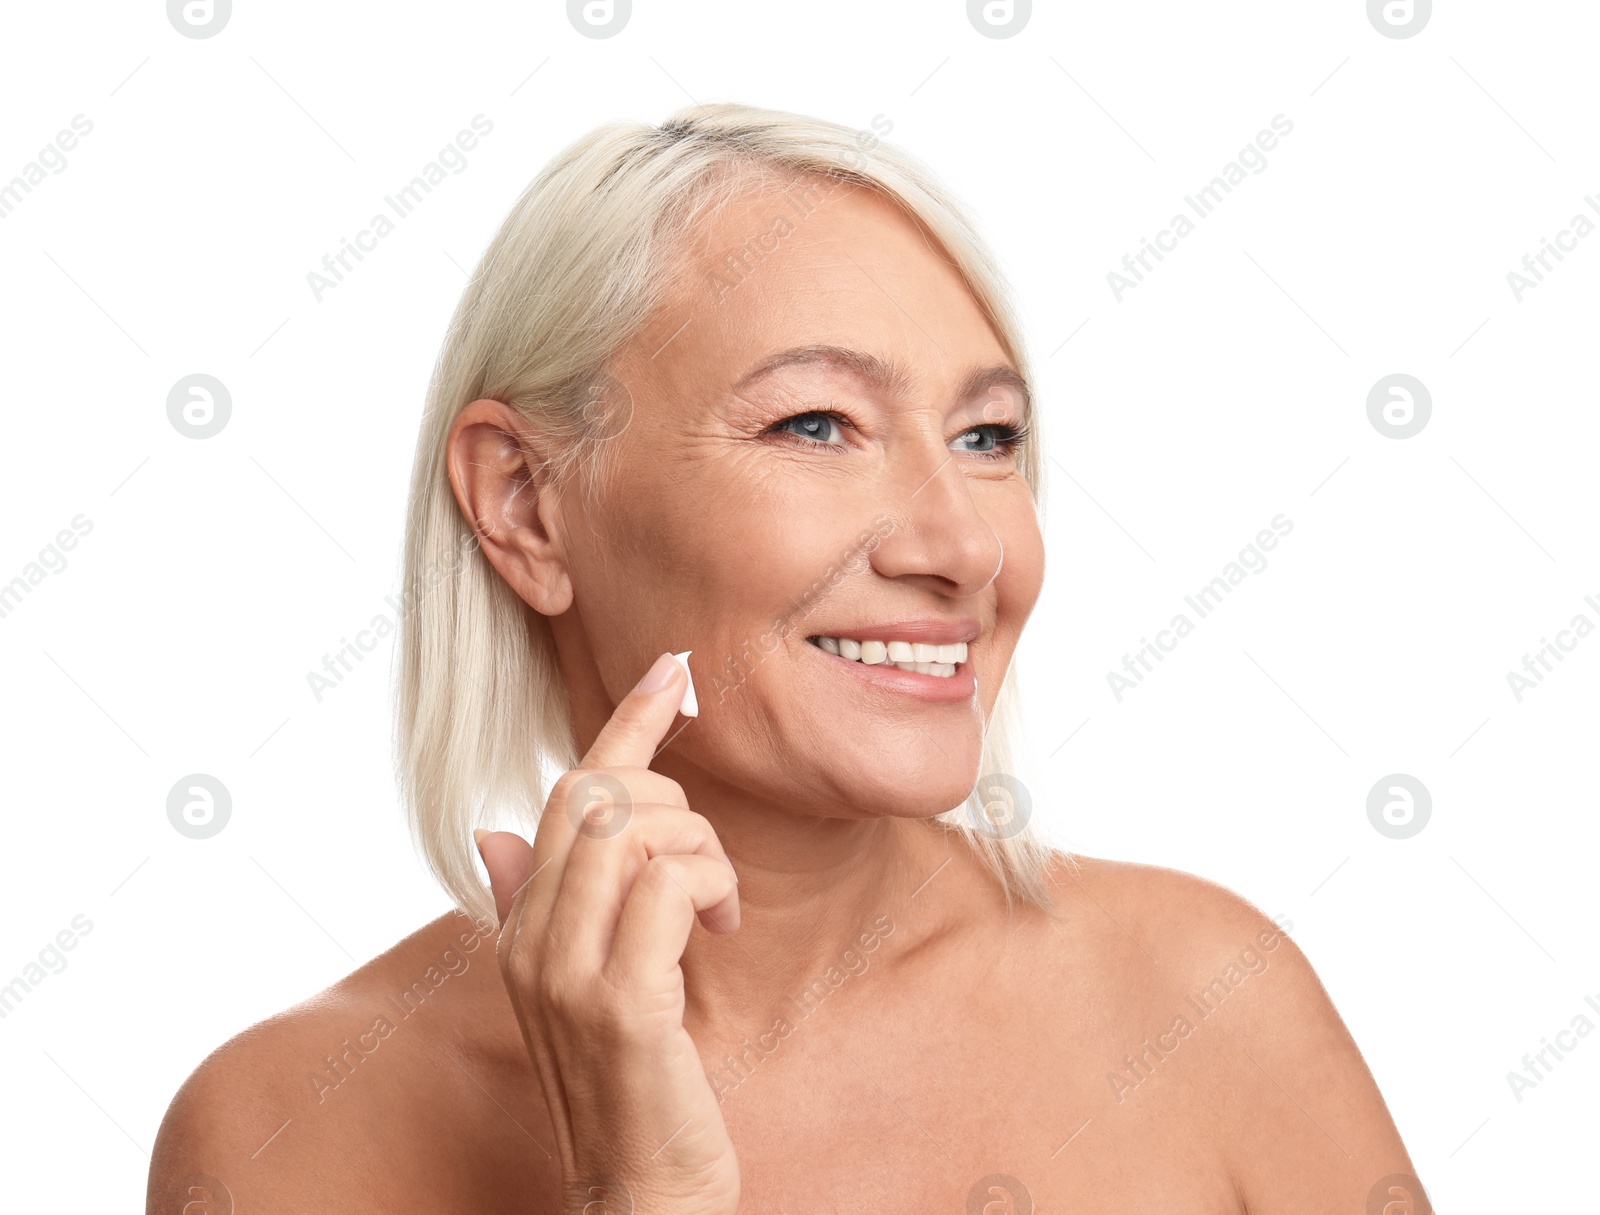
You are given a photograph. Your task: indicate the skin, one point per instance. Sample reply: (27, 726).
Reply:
(953, 1040)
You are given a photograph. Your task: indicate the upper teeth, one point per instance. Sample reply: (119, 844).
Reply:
(907, 655)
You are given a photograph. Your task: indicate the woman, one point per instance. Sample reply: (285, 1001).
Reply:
(747, 386)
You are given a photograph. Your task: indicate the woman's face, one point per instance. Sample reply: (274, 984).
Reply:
(818, 446)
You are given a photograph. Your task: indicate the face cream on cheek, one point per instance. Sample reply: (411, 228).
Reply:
(691, 704)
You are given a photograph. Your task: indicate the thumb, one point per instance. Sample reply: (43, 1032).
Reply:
(508, 858)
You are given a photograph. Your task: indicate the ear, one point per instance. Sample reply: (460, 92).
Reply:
(498, 474)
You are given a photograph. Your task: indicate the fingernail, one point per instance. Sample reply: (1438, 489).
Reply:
(658, 676)
(477, 836)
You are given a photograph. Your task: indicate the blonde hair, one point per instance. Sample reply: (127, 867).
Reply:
(587, 253)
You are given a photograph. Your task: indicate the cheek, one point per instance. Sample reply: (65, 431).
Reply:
(1016, 590)
(1022, 576)
(761, 544)
(723, 563)
(644, 562)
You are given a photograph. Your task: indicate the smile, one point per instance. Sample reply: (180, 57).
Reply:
(920, 657)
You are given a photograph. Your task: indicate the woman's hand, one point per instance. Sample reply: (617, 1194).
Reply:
(594, 918)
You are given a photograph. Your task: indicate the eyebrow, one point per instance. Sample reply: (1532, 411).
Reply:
(884, 375)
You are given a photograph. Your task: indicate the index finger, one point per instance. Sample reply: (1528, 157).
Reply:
(638, 724)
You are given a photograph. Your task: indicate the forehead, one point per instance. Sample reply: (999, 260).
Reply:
(814, 264)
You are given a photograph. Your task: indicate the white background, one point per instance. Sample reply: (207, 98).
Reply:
(1227, 388)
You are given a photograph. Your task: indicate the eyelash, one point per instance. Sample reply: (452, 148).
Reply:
(1009, 437)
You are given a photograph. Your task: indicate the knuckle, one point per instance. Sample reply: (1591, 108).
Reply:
(557, 992)
(658, 877)
(657, 871)
(566, 782)
(557, 985)
(672, 792)
(558, 795)
(585, 792)
(522, 972)
(518, 963)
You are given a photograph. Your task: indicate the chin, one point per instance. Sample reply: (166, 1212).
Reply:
(925, 801)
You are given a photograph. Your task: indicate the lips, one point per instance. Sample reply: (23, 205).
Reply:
(952, 682)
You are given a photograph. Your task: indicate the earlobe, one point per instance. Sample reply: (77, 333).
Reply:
(496, 473)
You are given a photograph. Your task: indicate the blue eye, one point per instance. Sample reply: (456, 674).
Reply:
(814, 427)
(999, 439)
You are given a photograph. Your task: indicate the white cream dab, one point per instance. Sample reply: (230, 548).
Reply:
(691, 704)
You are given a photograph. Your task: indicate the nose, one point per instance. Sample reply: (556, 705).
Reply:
(937, 535)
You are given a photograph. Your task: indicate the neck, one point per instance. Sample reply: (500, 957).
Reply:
(818, 899)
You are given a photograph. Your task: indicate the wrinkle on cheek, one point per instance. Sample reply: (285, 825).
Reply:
(737, 482)
(676, 535)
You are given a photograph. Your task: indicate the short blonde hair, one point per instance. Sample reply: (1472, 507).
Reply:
(587, 253)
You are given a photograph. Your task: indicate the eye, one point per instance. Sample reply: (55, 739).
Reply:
(817, 428)
(995, 440)
(814, 428)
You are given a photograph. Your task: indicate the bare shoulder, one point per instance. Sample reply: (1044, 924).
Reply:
(1165, 910)
(232, 1109)
(1155, 933)
(1297, 1110)
(325, 1103)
